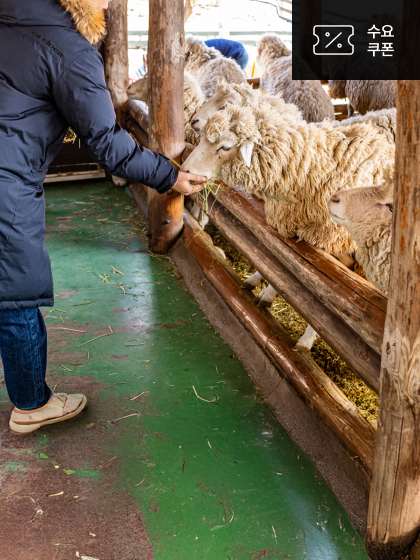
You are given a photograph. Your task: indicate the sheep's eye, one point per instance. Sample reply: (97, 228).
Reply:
(222, 108)
(391, 208)
(225, 148)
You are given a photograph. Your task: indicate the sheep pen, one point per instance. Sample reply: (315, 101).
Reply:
(336, 369)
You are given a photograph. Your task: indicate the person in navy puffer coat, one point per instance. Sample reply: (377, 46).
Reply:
(51, 78)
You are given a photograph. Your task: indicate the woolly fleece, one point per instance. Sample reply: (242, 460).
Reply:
(275, 62)
(296, 167)
(209, 67)
(88, 18)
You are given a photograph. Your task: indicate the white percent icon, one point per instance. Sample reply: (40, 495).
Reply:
(331, 34)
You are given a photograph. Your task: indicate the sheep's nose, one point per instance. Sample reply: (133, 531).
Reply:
(334, 198)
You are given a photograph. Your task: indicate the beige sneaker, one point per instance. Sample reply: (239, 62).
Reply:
(60, 407)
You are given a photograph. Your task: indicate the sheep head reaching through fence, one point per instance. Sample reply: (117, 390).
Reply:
(226, 149)
(138, 90)
(366, 213)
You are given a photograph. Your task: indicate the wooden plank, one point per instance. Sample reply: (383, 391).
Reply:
(139, 111)
(116, 56)
(303, 374)
(360, 357)
(136, 130)
(394, 508)
(359, 304)
(254, 82)
(166, 113)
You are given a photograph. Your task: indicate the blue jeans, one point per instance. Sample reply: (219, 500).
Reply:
(23, 349)
(243, 60)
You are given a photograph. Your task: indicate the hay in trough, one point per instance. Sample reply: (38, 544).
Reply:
(337, 370)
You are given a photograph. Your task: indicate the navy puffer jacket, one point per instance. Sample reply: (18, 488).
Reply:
(51, 78)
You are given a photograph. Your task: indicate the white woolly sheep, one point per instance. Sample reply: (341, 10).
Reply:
(241, 95)
(366, 213)
(365, 95)
(293, 167)
(275, 62)
(193, 99)
(385, 121)
(209, 66)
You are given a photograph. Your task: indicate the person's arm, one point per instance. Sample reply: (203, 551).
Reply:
(82, 98)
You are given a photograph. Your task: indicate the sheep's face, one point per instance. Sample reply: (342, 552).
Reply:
(229, 137)
(138, 90)
(219, 102)
(363, 210)
(208, 157)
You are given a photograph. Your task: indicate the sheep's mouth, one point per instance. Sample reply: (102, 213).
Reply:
(335, 217)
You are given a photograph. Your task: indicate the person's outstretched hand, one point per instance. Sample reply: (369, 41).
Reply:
(184, 186)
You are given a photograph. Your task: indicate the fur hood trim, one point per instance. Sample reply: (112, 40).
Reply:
(88, 19)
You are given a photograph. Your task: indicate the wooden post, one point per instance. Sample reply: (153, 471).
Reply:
(116, 56)
(166, 113)
(394, 509)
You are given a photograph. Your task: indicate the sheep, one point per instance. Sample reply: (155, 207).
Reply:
(241, 95)
(209, 66)
(275, 62)
(366, 213)
(366, 95)
(294, 167)
(384, 120)
(193, 99)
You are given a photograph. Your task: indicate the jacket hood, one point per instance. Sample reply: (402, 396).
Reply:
(89, 20)
(82, 15)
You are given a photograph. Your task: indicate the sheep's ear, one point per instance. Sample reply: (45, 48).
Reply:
(246, 152)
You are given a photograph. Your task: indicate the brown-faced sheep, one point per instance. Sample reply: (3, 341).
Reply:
(365, 95)
(385, 121)
(209, 67)
(193, 100)
(366, 213)
(275, 62)
(241, 95)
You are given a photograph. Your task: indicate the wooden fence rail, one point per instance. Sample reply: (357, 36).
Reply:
(307, 378)
(344, 341)
(359, 304)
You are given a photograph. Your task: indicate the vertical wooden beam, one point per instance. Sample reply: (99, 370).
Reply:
(166, 113)
(394, 509)
(116, 56)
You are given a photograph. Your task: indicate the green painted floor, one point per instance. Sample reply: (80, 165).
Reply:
(176, 456)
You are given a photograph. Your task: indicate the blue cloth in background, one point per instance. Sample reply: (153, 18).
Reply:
(228, 48)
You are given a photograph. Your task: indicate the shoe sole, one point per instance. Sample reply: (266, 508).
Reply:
(22, 429)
